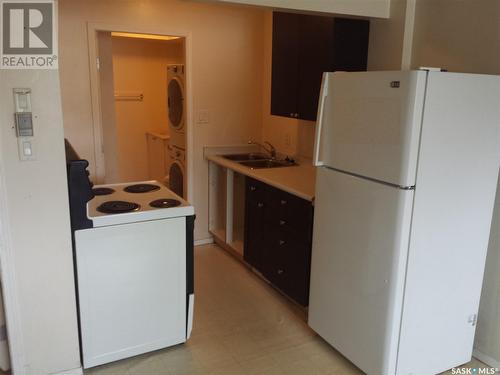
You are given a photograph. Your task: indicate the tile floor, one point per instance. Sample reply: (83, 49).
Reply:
(242, 326)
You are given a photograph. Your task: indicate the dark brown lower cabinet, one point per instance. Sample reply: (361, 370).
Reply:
(278, 236)
(254, 223)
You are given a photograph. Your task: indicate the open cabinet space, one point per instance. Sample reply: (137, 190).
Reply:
(227, 208)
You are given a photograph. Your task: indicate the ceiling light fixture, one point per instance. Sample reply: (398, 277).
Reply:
(144, 36)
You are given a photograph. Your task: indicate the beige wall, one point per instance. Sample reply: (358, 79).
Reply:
(386, 46)
(37, 224)
(459, 35)
(226, 72)
(108, 115)
(463, 36)
(140, 66)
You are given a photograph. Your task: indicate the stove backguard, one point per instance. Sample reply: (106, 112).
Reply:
(79, 188)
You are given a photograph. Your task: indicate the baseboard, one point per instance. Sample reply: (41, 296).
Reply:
(204, 241)
(486, 359)
(75, 371)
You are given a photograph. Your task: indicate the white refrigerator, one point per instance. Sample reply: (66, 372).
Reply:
(406, 179)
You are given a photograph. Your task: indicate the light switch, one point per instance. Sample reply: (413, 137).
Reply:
(27, 149)
(203, 117)
(22, 100)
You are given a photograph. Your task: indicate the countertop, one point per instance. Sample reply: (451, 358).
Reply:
(298, 180)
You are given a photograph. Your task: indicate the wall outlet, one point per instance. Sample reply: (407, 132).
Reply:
(203, 117)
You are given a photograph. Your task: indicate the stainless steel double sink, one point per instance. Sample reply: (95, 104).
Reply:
(259, 161)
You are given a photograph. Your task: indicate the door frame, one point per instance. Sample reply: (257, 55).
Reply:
(92, 29)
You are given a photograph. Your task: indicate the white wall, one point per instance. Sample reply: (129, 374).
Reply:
(37, 216)
(463, 36)
(226, 72)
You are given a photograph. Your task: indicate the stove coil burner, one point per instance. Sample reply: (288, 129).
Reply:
(117, 207)
(103, 191)
(141, 188)
(165, 203)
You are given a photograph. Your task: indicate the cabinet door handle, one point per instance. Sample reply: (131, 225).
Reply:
(282, 222)
(253, 188)
(260, 204)
(283, 202)
(280, 272)
(282, 242)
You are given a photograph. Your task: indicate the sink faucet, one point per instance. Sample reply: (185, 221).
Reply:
(271, 149)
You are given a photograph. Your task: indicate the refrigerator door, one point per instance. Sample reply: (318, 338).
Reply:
(369, 124)
(457, 181)
(360, 245)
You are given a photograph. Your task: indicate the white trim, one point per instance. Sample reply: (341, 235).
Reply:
(408, 35)
(92, 29)
(75, 371)
(486, 359)
(204, 241)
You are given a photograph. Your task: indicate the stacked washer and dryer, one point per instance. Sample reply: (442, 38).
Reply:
(177, 124)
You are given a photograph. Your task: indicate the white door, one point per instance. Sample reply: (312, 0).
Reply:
(369, 124)
(132, 288)
(359, 255)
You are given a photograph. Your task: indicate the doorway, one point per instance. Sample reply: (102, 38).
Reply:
(142, 107)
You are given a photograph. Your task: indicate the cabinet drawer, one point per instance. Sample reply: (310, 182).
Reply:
(286, 264)
(290, 212)
(255, 187)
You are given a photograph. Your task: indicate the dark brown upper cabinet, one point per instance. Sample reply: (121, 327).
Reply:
(304, 47)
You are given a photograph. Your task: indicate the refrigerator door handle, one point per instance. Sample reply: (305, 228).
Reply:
(319, 125)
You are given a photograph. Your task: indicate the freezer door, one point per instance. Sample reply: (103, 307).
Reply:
(359, 256)
(369, 124)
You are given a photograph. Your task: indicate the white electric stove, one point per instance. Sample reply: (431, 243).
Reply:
(131, 202)
(135, 271)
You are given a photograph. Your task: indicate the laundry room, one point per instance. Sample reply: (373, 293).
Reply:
(141, 80)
